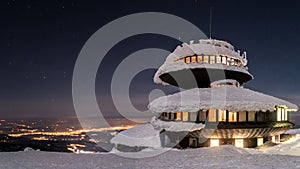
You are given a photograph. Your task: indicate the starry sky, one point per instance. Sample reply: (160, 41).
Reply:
(40, 42)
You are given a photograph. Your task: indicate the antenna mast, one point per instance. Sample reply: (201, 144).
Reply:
(210, 23)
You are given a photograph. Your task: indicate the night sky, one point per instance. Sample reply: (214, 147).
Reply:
(40, 42)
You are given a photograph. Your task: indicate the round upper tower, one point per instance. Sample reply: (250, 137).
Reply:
(198, 64)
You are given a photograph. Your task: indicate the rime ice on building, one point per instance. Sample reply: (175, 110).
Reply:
(213, 108)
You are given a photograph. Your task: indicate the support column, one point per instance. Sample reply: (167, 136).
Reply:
(277, 139)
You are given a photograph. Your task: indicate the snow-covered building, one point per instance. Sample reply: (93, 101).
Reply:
(213, 108)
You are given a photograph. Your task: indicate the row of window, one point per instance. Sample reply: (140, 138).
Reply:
(214, 115)
(211, 60)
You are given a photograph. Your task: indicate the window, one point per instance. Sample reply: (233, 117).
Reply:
(232, 117)
(222, 115)
(193, 116)
(218, 59)
(199, 59)
(251, 116)
(212, 59)
(239, 143)
(286, 115)
(282, 114)
(224, 60)
(182, 59)
(187, 59)
(206, 59)
(212, 115)
(202, 115)
(194, 59)
(185, 116)
(178, 116)
(278, 114)
(172, 116)
(242, 116)
(260, 116)
(214, 142)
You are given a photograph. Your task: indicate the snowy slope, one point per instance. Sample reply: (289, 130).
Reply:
(221, 157)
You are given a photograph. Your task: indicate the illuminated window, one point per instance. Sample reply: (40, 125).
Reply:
(185, 116)
(206, 59)
(224, 60)
(286, 115)
(242, 116)
(222, 115)
(212, 59)
(232, 117)
(199, 59)
(282, 114)
(182, 59)
(251, 116)
(239, 143)
(187, 59)
(212, 115)
(194, 59)
(228, 63)
(260, 141)
(214, 142)
(178, 116)
(193, 116)
(219, 59)
(278, 114)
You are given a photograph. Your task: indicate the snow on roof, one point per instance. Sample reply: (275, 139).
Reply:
(179, 65)
(293, 131)
(226, 97)
(142, 135)
(206, 47)
(175, 126)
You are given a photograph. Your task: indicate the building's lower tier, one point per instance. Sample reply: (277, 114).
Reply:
(222, 135)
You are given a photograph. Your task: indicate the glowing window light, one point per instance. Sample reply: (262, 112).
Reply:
(222, 115)
(273, 139)
(212, 59)
(212, 115)
(260, 141)
(188, 59)
(194, 59)
(278, 114)
(219, 60)
(232, 117)
(206, 59)
(185, 116)
(199, 59)
(282, 114)
(178, 116)
(239, 143)
(214, 142)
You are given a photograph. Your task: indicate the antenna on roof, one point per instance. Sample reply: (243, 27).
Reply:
(210, 22)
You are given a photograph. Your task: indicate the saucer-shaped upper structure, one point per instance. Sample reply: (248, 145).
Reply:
(197, 64)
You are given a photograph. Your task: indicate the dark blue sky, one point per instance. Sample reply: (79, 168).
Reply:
(40, 42)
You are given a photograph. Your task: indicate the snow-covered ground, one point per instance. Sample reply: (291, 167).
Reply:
(285, 155)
